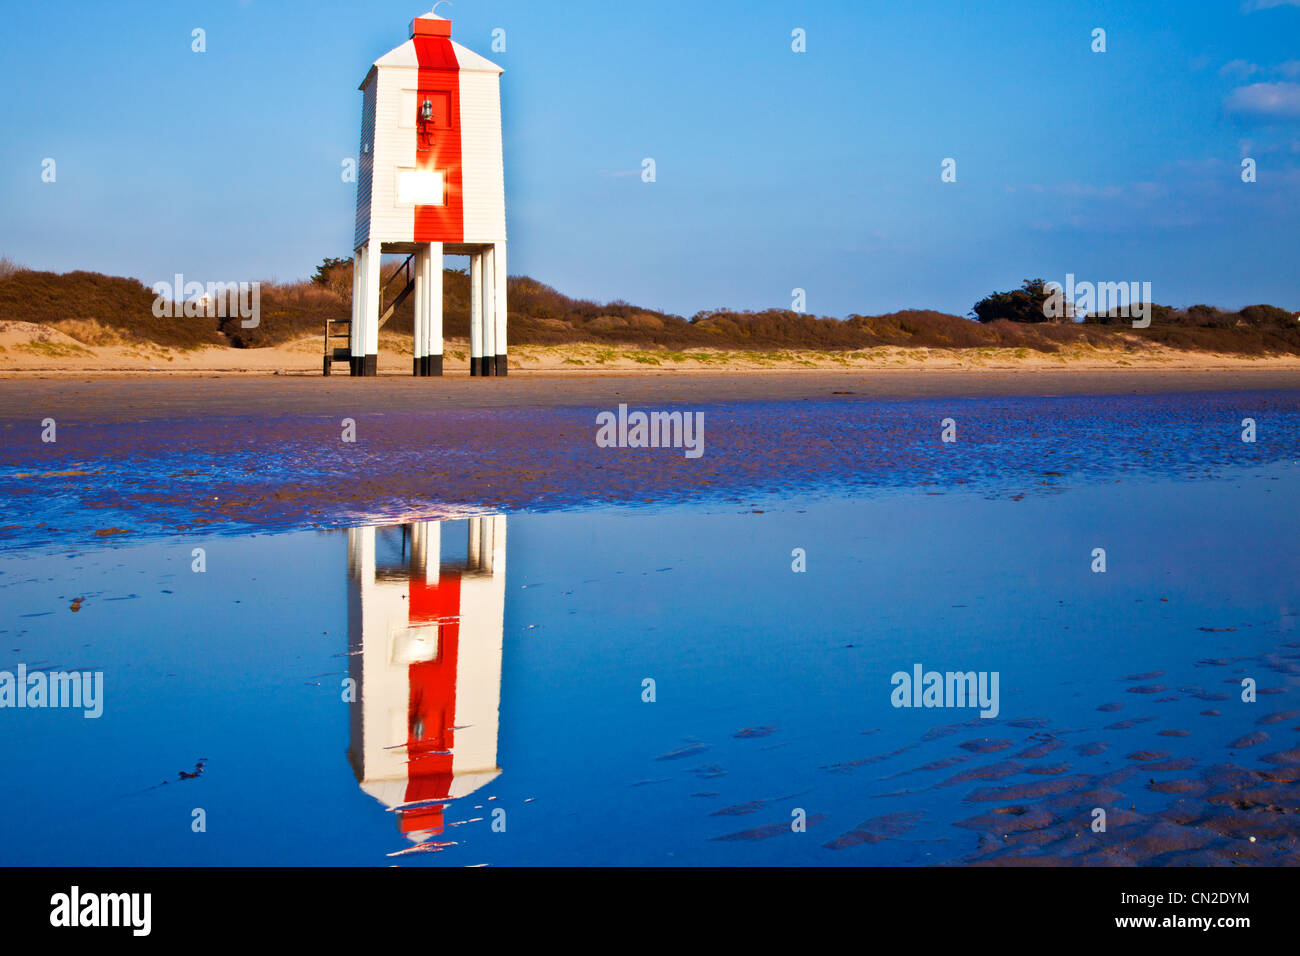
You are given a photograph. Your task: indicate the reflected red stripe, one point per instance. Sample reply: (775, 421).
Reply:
(431, 710)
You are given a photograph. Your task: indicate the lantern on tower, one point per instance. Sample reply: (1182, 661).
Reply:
(430, 183)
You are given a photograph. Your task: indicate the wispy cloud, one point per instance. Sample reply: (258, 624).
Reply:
(1252, 5)
(1238, 68)
(1266, 100)
(1202, 193)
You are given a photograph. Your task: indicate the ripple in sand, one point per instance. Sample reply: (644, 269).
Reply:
(1248, 740)
(708, 772)
(1041, 749)
(1291, 756)
(1179, 786)
(769, 831)
(1148, 755)
(943, 764)
(739, 809)
(876, 830)
(847, 765)
(1160, 838)
(934, 733)
(1028, 791)
(1126, 724)
(1178, 763)
(1281, 775)
(1116, 777)
(993, 771)
(1274, 798)
(1050, 770)
(749, 733)
(690, 750)
(1010, 820)
(986, 745)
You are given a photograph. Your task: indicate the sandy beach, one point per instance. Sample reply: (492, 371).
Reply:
(193, 390)
(27, 349)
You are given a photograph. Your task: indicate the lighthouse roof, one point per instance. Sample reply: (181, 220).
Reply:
(430, 24)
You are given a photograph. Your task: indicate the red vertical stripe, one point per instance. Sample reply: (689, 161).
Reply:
(438, 143)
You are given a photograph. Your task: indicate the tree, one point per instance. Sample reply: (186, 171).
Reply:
(335, 275)
(1026, 304)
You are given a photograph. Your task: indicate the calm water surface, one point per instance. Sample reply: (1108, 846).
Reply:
(472, 691)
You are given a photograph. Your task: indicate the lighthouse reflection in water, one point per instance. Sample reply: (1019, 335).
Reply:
(426, 606)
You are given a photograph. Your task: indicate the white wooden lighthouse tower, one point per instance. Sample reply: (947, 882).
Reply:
(430, 183)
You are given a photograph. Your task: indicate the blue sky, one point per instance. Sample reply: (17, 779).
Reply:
(775, 169)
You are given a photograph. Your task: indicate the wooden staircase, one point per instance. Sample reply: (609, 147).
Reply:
(342, 328)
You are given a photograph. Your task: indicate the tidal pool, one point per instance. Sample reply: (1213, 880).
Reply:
(631, 685)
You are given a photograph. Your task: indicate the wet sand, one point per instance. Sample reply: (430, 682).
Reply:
(137, 456)
(117, 398)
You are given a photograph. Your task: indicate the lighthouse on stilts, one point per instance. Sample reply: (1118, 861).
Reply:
(430, 183)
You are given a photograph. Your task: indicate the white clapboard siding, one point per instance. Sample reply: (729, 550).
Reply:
(480, 150)
(365, 164)
(394, 147)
